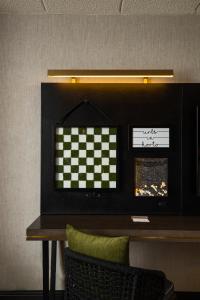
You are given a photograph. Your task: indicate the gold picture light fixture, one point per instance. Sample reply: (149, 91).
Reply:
(74, 75)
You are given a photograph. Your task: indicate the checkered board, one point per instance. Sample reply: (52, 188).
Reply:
(86, 158)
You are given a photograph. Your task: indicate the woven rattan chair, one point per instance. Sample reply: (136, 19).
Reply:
(88, 278)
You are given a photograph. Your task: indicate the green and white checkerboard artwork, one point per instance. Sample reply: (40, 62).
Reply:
(86, 158)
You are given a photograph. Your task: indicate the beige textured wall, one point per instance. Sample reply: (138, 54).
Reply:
(29, 45)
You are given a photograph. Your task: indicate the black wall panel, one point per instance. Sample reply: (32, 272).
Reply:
(126, 106)
(191, 149)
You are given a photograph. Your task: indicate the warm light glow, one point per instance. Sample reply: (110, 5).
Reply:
(152, 191)
(111, 76)
(146, 74)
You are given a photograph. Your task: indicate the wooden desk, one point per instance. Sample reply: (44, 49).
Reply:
(161, 228)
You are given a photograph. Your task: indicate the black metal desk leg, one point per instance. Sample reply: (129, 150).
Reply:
(45, 263)
(53, 269)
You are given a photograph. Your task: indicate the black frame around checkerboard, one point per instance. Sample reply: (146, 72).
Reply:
(98, 190)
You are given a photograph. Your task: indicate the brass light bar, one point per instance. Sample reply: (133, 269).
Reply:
(110, 73)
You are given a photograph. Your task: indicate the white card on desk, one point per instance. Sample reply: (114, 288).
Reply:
(141, 219)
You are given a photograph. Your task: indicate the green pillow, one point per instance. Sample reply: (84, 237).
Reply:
(115, 249)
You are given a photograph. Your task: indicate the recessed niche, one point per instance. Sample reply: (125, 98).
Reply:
(151, 177)
(150, 137)
(86, 158)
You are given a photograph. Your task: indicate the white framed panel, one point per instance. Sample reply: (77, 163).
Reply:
(150, 137)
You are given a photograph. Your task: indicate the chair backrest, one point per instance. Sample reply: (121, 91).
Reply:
(88, 278)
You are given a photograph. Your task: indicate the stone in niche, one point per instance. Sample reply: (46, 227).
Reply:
(150, 137)
(151, 177)
(86, 158)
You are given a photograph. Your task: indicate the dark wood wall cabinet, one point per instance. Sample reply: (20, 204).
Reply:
(120, 149)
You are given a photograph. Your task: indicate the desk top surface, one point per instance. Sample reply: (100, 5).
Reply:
(160, 228)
